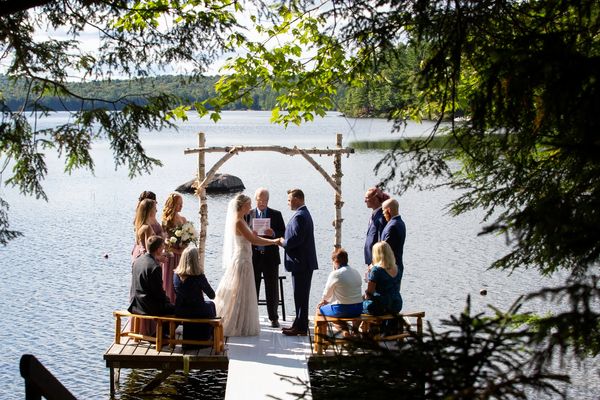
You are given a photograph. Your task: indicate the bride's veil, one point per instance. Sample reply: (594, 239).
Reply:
(229, 235)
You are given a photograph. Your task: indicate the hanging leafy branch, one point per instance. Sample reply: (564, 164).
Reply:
(525, 75)
(135, 40)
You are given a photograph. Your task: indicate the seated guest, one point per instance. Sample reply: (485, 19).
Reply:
(190, 287)
(342, 296)
(147, 294)
(383, 291)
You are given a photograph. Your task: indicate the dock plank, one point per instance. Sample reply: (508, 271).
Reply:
(263, 362)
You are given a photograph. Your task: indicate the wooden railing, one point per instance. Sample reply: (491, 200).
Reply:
(39, 382)
(409, 321)
(217, 342)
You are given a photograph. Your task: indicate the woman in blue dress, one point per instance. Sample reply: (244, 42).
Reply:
(190, 286)
(383, 291)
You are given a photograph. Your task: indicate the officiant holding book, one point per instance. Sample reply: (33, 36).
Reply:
(268, 223)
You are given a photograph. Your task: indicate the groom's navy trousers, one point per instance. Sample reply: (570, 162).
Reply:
(301, 261)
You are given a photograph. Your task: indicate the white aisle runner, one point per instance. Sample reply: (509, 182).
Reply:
(258, 365)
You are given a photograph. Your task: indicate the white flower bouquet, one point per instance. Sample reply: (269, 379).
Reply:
(182, 235)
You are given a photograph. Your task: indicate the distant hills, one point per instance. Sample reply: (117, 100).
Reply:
(190, 89)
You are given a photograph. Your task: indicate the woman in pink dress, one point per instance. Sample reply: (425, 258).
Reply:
(145, 225)
(171, 219)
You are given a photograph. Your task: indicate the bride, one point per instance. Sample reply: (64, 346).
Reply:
(235, 299)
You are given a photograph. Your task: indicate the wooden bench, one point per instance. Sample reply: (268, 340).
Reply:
(408, 319)
(217, 342)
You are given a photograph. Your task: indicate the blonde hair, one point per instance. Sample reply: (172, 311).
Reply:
(189, 265)
(383, 256)
(240, 200)
(169, 212)
(142, 213)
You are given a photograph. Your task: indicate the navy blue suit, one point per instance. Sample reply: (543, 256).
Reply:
(301, 261)
(394, 234)
(376, 225)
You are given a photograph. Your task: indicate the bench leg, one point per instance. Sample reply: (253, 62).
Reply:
(159, 335)
(320, 332)
(118, 329)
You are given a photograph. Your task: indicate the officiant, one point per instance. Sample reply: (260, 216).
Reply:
(268, 223)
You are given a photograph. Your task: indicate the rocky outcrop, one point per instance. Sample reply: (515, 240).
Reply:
(220, 183)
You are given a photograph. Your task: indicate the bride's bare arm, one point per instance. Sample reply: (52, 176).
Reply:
(244, 229)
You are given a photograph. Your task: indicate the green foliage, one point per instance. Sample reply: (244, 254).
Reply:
(305, 89)
(388, 87)
(46, 74)
(475, 357)
(524, 74)
(576, 328)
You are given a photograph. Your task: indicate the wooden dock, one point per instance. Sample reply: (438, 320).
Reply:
(270, 364)
(143, 355)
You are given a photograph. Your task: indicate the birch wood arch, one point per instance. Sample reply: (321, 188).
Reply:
(203, 177)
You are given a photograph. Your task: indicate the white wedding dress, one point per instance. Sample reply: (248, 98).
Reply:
(235, 298)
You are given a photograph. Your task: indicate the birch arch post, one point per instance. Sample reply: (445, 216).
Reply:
(203, 177)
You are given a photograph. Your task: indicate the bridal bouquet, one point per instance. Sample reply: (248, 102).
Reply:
(182, 235)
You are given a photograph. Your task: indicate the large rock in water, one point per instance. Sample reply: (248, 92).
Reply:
(220, 183)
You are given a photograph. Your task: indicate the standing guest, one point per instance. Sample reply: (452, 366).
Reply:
(139, 250)
(266, 259)
(394, 232)
(145, 225)
(191, 285)
(171, 219)
(146, 194)
(300, 259)
(373, 199)
(383, 291)
(147, 294)
(342, 296)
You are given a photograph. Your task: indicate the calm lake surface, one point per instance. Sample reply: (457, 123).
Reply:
(58, 290)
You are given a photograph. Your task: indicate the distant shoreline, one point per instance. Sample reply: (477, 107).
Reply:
(438, 142)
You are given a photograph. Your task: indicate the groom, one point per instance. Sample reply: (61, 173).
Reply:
(300, 259)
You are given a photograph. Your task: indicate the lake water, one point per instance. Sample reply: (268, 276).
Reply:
(58, 269)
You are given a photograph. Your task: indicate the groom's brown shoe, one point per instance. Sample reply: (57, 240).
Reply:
(294, 332)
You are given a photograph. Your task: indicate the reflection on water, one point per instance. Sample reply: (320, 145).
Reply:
(210, 385)
(58, 290)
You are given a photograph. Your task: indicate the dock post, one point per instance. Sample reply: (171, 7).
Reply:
(337, 176)
(201, 193)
